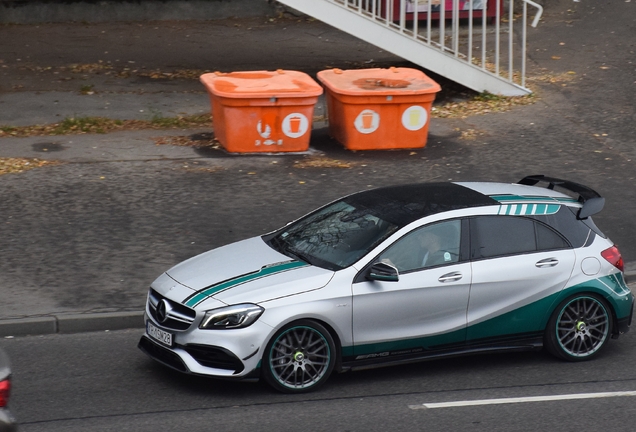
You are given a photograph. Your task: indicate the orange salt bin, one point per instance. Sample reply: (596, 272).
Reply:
(374, 109)
(262, 111)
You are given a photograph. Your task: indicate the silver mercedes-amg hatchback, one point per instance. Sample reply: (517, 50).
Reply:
(394, 275)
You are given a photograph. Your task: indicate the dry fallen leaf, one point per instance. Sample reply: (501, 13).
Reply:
(322, 162)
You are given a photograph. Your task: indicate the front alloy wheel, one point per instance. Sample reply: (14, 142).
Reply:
(579, 328)
(299, 358)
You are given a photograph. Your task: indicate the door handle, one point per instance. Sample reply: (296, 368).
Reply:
(450, 277)
(548, 262)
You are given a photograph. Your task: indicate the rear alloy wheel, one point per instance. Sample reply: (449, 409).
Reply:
(299, 358)
(579, 328)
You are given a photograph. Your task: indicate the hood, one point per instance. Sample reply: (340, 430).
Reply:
(225, 263)
(248, 271)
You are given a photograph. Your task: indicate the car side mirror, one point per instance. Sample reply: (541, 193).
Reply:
(383, 272)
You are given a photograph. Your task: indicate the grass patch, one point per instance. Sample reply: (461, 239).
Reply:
(101, 125)
(87, 89)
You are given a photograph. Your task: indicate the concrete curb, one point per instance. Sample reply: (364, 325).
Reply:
(81, 323)
(71, 323)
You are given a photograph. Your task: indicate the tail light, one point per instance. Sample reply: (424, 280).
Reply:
(614, 257)
(5, 389)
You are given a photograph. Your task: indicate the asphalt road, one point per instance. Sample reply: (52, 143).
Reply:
(101, 382)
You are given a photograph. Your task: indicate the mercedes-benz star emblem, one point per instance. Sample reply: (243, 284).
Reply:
(162, 311)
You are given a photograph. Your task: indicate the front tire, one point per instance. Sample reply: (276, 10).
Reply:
(299, 358)
(579, 328)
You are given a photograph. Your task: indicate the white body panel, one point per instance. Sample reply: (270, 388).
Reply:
(224, 263)
(503, 284)
(284, 284)
(418, 305)
(169, 287)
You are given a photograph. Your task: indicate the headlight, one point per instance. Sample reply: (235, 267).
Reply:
(231, 317)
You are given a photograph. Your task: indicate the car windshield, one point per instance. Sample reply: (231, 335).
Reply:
(333, 237)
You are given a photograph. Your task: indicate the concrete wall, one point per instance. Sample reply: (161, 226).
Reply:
(40, 11)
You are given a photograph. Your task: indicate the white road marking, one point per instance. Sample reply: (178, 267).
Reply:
(523, 400)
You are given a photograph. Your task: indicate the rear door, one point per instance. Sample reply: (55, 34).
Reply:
(518, 264)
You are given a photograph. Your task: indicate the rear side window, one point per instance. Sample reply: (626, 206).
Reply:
(565, 222)
(493, 236)
(547, 239)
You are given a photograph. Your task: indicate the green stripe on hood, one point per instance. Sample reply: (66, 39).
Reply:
(270, 270)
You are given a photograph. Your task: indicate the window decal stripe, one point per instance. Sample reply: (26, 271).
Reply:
(528, 209)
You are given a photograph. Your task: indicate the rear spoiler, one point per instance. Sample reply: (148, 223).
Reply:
(591, 200)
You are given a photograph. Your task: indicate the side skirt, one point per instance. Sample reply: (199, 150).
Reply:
(527, 343)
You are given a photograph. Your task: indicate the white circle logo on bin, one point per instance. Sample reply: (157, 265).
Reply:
(414, 118)
(295, 125)
(368, 121)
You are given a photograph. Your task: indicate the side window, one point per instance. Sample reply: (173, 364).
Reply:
(547, 239)
(565, 222)
(429, 246)
(493, 236)
(501, 235)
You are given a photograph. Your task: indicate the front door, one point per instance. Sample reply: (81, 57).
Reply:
(426, 307)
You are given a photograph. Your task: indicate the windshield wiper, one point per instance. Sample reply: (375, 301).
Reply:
(282, 246)
(297, 254)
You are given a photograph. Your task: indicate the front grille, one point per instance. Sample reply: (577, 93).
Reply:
(214, 357)
(179, 317)
(162, 354)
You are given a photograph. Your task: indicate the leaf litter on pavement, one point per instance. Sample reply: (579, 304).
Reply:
(18, 165)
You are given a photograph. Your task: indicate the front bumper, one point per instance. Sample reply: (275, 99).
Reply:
(230, 354)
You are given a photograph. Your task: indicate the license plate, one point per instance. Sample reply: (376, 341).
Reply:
(159, 335)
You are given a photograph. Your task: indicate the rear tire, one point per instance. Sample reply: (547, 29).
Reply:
(579, 328)
(299, 358)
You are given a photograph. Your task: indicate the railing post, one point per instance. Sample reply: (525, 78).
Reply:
(442, 25)
(470, 32)
(455, 27)
(511, 20)
(484, 33)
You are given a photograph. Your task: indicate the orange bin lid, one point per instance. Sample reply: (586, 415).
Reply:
(261, 84)
(377, 81)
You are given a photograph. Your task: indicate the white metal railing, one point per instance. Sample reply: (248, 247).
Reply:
(489, 36)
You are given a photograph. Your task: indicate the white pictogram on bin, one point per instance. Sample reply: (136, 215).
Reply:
(264, 133)
(367, 121)
(295, 125)
(414, 118)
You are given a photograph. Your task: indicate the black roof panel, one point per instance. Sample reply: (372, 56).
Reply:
(404, 204)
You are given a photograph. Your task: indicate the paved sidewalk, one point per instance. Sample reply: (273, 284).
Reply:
(82, 240)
